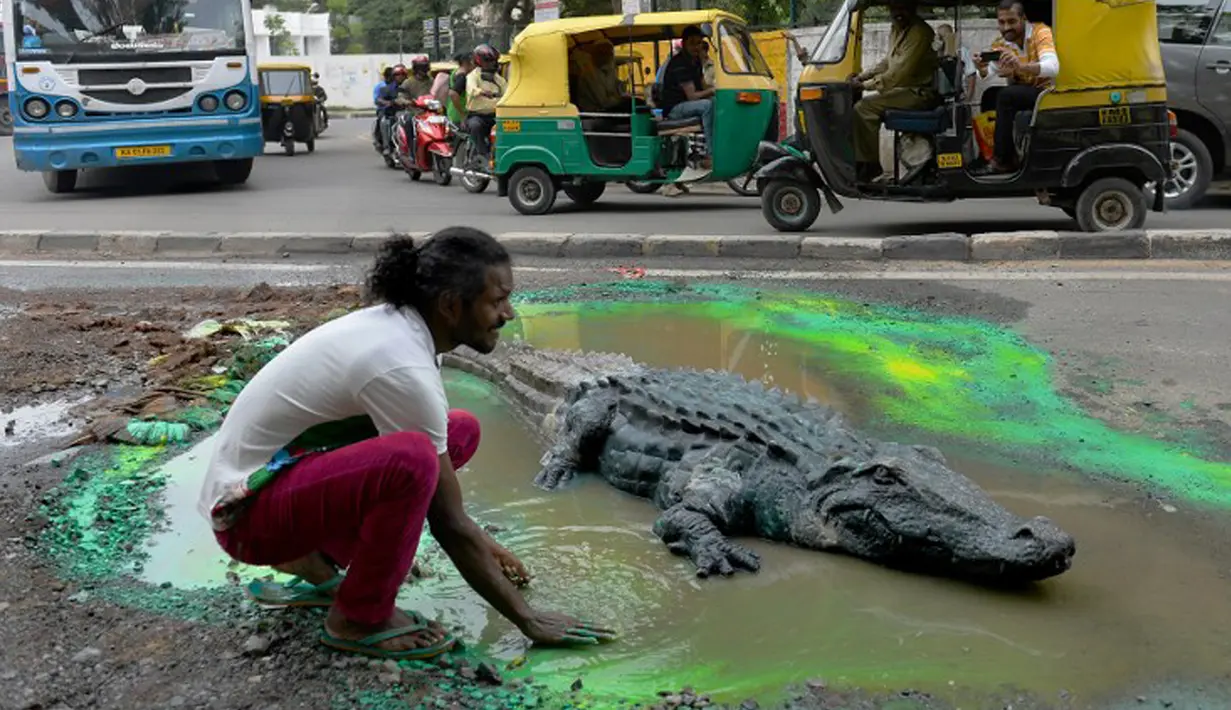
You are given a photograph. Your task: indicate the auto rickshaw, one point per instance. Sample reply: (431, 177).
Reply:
(1094, 140)
(545, 144)
(288, 106)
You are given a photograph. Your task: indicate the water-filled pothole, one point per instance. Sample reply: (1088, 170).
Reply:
(36, 422)
(1138, 603)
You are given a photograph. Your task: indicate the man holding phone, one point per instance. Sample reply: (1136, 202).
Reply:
(1025, 55)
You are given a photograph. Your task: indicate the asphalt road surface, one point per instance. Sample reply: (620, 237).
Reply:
(344, 185)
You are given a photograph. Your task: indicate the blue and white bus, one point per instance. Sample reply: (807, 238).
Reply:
(106, 83)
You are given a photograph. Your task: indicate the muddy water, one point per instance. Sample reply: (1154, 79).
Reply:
(1147, 598)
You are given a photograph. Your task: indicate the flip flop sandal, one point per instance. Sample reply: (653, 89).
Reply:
(367, 646)
(295, 593)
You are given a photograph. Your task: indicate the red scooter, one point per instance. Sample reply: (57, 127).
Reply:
(433, 148)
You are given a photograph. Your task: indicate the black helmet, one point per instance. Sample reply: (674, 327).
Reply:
(486, 53)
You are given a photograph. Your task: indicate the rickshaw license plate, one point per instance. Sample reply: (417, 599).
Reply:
(511, 126)
(949, 160)
(1118, 116)
(143, 151)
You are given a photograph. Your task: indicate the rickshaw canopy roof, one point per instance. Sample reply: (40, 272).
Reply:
(1101, 43)
(539, 55)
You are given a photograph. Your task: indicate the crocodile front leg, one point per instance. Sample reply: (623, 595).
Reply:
(701, 504)
(587, 424)
(690, 533)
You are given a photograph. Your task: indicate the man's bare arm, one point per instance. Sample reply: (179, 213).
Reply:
(466, 544)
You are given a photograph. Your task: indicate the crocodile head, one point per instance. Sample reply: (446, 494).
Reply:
(904, 507)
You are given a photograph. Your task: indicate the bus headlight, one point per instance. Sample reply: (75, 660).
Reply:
(236, 100)
(36, 108)
(208, 103)
(66, 109)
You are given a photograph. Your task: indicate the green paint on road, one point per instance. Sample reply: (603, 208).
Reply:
(961, 378)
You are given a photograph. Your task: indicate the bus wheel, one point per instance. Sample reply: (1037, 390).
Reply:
(233, 172)
(60, 181)
(532, 191)
(790, 205)
(1111, 205)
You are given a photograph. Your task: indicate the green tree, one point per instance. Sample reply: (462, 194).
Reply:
(280, 44)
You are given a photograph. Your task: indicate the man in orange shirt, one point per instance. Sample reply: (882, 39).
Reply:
(1029, 62)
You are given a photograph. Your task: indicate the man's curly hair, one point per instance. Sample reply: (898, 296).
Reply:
(453, 260)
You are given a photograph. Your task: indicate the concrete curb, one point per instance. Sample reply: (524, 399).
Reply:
(1207, 244)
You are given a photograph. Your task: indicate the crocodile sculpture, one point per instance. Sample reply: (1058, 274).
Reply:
(722, 456)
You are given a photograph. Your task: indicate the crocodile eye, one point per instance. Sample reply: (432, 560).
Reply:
(884, 476)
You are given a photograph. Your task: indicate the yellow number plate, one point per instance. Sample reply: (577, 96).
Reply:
(511, 126)
(143, 151)
(1118, 116)
(949, 160)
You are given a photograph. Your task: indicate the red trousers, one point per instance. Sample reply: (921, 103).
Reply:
(363, 505)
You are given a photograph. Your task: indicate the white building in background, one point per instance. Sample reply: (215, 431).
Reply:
(308, 32)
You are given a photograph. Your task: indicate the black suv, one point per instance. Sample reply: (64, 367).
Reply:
(1195, 38)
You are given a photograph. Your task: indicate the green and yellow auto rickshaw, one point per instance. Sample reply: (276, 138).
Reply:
(288, 106)
(545, 144)
(1091, 145)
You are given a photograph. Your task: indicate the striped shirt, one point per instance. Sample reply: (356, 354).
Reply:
(1040, 47)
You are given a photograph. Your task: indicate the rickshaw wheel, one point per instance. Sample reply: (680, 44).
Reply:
(532, 191)
(643, 188)
(790, 205)
(1111, 205)
(311, 143)
(585, 194)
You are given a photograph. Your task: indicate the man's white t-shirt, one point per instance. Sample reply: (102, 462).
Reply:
(378, 361)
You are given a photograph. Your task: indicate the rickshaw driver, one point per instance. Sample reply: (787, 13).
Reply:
(482, 93)
(684, 93)
(903, 80)
(1029, 61)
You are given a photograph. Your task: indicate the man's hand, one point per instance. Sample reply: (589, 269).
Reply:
(552, 629)
(1008, 65)
(512, 567)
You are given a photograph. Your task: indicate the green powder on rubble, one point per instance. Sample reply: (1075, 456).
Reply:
(961, 379)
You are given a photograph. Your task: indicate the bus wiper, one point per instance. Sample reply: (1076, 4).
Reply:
(92, 35)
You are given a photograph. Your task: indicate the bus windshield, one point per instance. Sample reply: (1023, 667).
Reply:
(86, 29)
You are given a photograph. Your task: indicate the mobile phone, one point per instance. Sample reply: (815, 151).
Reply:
(992, 56)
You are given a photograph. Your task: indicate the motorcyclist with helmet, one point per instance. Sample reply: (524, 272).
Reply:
(483, 89)
(417, 84)
(387, 109)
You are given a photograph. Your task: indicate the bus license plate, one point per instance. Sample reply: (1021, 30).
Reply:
(1118, 116)
(143, 151)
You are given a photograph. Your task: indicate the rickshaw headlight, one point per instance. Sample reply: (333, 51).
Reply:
(37, 108)
(236, 100)
(66, 109)
(208, 103)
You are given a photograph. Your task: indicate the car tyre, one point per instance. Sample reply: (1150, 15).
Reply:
(1194, 171)
(1111, 205)
(790, 205)
(532, 191)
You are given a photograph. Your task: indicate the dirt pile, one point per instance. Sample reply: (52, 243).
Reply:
(140, 355)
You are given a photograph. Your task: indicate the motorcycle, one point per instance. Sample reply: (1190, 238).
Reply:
(475, 171)
(433, 141)
(382, 138)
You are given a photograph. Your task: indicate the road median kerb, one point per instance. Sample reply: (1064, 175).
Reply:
(1193, 244)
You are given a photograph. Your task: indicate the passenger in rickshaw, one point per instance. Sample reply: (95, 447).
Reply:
(598, 85)
(684, 93)
(903, 80)
(1029, 62)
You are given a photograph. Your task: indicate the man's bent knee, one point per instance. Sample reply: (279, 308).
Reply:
(411, 466)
